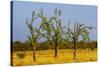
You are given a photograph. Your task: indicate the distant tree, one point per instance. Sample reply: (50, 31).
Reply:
(81, 44)
(75, 33)
(21, 46)
(17, 42)
(93, 45)
(18, 46)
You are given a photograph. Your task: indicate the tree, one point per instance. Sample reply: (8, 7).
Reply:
(73, 35)
(57, 30)
(51, 28)
(34, 36)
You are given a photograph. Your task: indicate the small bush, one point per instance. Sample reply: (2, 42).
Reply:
(21, 55)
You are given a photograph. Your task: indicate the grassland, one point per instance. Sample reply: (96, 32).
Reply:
(47, 57)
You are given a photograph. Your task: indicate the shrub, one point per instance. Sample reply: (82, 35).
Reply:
(21, 55)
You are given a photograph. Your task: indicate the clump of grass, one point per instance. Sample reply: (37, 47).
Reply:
(91, 59)
(21, 55)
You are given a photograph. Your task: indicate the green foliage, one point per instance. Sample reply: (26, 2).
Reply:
(21, 46)
(92, 45)
(82, 45)
(34, 35)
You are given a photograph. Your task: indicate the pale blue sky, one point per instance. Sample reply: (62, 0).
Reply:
(83, 14)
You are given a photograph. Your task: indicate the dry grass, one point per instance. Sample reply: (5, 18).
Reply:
(47, 57)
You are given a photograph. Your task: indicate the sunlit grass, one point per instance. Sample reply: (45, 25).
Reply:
(47, 57)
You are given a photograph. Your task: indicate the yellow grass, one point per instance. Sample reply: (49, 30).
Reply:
(47, 57)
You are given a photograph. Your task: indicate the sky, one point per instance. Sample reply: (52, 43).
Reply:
(82, 13)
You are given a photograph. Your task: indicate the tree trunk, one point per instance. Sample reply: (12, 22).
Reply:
(74, 53)
(56, 50)
(34, 57)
